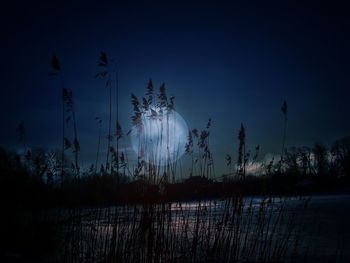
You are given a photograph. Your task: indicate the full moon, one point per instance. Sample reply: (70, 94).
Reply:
(160, 137)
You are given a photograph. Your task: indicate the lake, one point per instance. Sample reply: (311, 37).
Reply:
(251, 229)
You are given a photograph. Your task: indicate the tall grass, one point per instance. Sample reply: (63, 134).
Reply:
(99, 124)
(284, 110)
(56, 71)
(233, 230)
(68, 114)
(105, 73)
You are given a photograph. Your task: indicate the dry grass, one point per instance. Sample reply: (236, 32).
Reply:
(232, 230)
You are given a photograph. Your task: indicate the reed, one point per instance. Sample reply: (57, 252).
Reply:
(233, 230)
(284, 110)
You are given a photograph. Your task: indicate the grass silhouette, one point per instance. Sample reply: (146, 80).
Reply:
(143, 213)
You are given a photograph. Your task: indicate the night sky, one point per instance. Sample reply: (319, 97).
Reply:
(234, 63)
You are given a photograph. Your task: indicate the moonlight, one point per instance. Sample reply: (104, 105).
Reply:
(161, 136)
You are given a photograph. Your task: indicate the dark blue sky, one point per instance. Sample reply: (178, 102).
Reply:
(233, 62)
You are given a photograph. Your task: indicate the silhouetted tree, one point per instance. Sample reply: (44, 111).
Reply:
(291, 161)
(340, 151)
(20, 130)
(39, 164)
(268, 167)
(304, 157)
(321, 161)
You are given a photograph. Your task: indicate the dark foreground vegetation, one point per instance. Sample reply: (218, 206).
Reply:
(21, 188)
(53, 210)
(45, 221)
